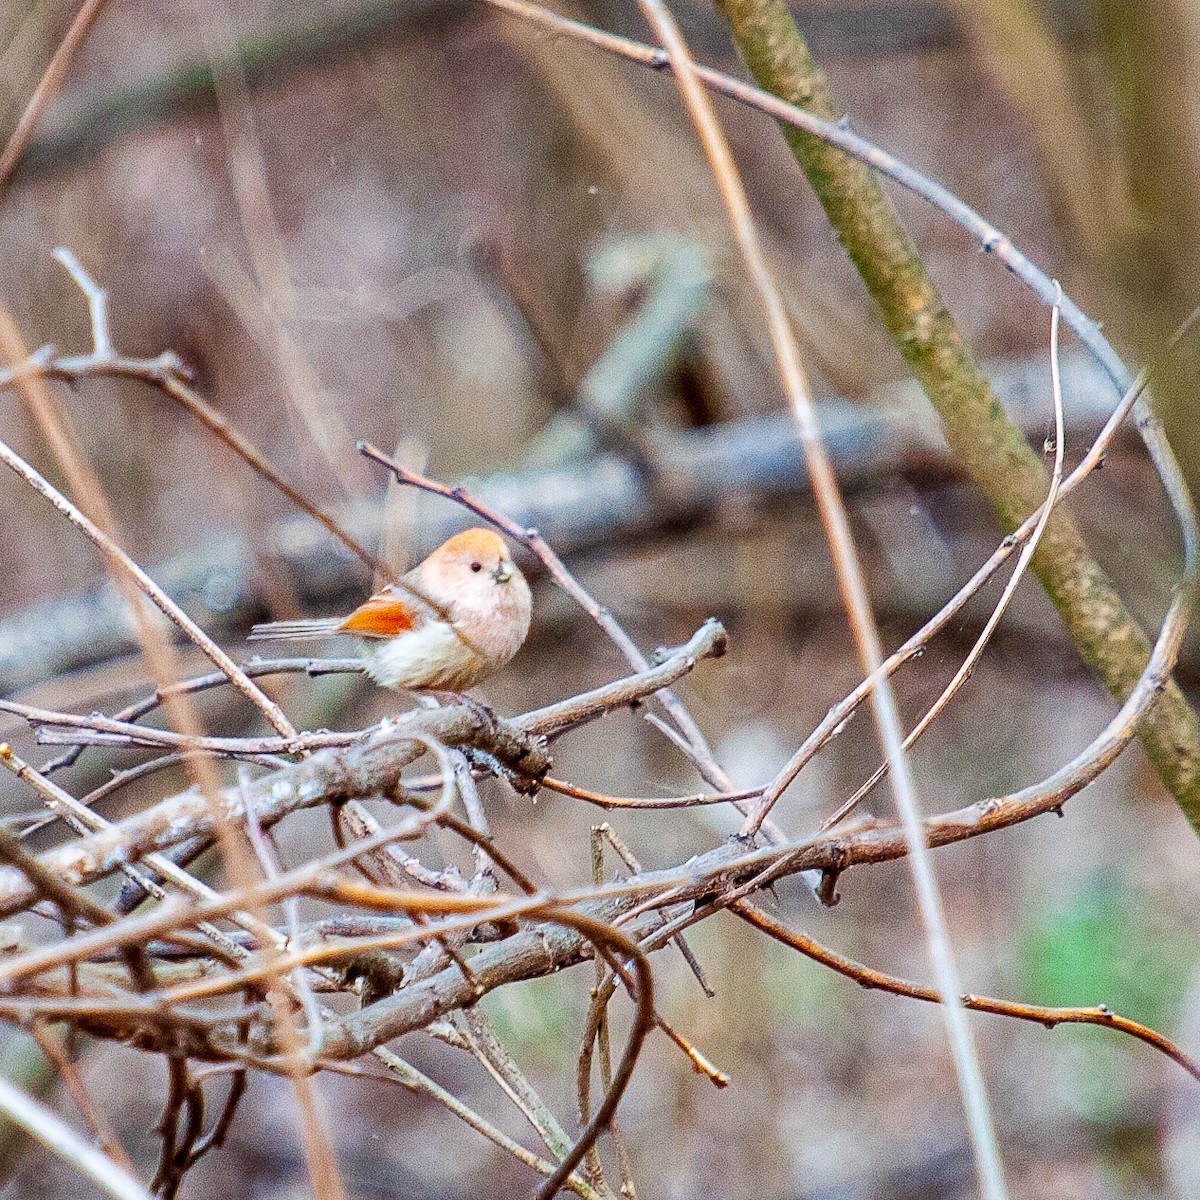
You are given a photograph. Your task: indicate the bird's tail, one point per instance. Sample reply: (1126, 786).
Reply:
(295, 631)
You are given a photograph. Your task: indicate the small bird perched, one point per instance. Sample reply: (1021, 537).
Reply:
(456, 617)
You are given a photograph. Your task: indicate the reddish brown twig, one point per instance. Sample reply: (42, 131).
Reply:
(47, 87)
(868, 977)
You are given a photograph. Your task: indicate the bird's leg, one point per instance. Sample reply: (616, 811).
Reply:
(445, 699)
(479, 759)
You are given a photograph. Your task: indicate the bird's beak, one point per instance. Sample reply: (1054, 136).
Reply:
(504, 572)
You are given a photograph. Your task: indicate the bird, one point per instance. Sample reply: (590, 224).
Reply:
(458, 616)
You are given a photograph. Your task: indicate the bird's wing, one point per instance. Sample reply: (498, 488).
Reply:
(388, 613)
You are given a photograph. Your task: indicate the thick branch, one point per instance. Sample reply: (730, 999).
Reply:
(372, 765)
(602, 501)
(368, 767)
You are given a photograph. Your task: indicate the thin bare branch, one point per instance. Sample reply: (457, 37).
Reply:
(852, 585)
(47, 87)
(867, 977)
(967, 668)
(59, 1138)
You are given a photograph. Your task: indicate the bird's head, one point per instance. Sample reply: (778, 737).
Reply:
(474, 570)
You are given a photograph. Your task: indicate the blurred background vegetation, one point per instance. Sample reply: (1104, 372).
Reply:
(430, 226)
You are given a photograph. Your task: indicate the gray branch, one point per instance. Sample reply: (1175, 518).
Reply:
(604, 501)
(370, 766)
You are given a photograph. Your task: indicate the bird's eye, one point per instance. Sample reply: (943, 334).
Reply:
(477, 566)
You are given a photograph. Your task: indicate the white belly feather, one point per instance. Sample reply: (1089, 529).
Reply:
(432, 655)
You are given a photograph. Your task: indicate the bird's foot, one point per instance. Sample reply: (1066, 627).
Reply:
(434, 698)
(482, 760)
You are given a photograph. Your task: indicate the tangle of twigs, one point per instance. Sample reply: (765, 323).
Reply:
(228, 981)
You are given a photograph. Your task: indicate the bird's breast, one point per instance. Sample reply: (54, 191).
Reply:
(430, 656)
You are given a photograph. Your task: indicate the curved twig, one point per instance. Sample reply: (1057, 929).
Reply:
(868, 977)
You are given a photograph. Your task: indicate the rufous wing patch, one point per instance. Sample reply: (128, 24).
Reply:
(381, 616)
